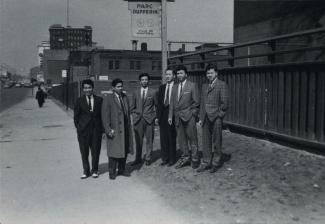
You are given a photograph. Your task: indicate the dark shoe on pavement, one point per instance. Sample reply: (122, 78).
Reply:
(171, 164)
(203, 167)
(163, 163)
(225, 157)
(183, 162)
(147, 162)
(136, 162)
(195, 164)
(215, 168)
(112, 176)
(123, 173)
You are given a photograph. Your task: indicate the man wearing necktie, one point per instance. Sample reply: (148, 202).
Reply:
(214, 105)
(143, 110)
(184, 108)
(167, 132)
(87, 119)
(117, 126)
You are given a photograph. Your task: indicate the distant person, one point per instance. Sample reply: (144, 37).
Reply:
(40, 97)
(117, 126)
(87, 119)
(167, 132)
(143, 110)
(184, 107)
(214, 105)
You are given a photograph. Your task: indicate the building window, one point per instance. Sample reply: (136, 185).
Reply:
(110, 65)
(131, 65)
(192, 66)
(117, 65)
(153, 65)
(138, 65)
(159, 65)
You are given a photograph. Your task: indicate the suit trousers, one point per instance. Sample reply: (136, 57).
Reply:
(167, 138)
(212, 141)
(141, 129)
(187, 134)
(94, 142)
(118, 163)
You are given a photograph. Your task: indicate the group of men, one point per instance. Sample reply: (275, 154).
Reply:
(176, 107)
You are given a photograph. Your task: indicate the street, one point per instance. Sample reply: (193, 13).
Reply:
(40, 167)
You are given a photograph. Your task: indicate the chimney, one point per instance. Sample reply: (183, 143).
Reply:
(134, 45)
(144, 46)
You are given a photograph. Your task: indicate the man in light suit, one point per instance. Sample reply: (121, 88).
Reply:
(184, 107)
(167, 132)
(87, 119)
(143, 110)
(214, 105)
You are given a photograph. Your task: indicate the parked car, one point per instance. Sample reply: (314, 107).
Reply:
(18, 85)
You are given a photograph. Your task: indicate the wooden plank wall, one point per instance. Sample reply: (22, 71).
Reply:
(286, 99)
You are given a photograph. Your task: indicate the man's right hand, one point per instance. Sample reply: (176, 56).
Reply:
(200, 122)
(170, 121)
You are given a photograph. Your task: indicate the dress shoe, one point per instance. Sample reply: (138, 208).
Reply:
(95, 175)
(123, 173)
(183, 162)
(202, 168)
(171, 164)
(163, 163)
(225, 157)
(84, 176)
(136, 162)
(215, 168)
(112, 176)
(147, 162)
(195, 164)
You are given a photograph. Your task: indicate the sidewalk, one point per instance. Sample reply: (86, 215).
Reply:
(40, 168)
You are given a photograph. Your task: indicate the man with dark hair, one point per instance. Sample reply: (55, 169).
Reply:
(184, 107)
(167, 132)
(117, 126)
(144, 113)
(214, 104)
(87, 119)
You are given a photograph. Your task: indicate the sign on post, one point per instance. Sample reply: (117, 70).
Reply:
(145, 19)
(64, 73)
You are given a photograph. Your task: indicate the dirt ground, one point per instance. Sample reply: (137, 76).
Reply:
(263, 183)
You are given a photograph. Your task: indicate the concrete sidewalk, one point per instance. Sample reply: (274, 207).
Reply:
(40, 169)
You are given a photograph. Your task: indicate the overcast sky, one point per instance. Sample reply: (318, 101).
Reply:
(24, 24)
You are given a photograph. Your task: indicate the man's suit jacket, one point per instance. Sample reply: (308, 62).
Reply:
(214, 100)
(188, 104)
(146, 108)
(83, 117)
(161, 98)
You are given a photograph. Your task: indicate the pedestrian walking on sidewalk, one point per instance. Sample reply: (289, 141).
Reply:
(117, 126)
(40, 97)
(167, 132)
(214, 105)
(143, 109)
(87, 119)
(184, 107)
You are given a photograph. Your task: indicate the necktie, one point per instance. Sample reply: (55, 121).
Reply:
(122, 104)
(210, 87)
(89, 103)
(166, 102)
(143, 94)
(180, 92)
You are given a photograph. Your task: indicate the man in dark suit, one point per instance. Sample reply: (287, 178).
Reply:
(87, 119)
(185, 107)
(214, 105)
(167, 132)
(144, 113)
(117, 126)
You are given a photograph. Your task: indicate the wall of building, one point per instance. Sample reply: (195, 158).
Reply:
(53, 63)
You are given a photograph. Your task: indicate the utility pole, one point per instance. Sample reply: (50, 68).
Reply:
(163, 36)
(68, 5)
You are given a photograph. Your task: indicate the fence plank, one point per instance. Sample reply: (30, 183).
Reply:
(311, 105)
(269, 101)
(295, 102)
(303, 105)
(320, 107)
(281, 103)
(288, 102)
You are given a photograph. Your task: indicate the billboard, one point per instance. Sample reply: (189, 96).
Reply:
(145, 19)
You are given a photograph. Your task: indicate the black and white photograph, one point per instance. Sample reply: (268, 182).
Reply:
(162, 111)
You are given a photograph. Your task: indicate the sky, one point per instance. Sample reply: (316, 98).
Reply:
(24, 24)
